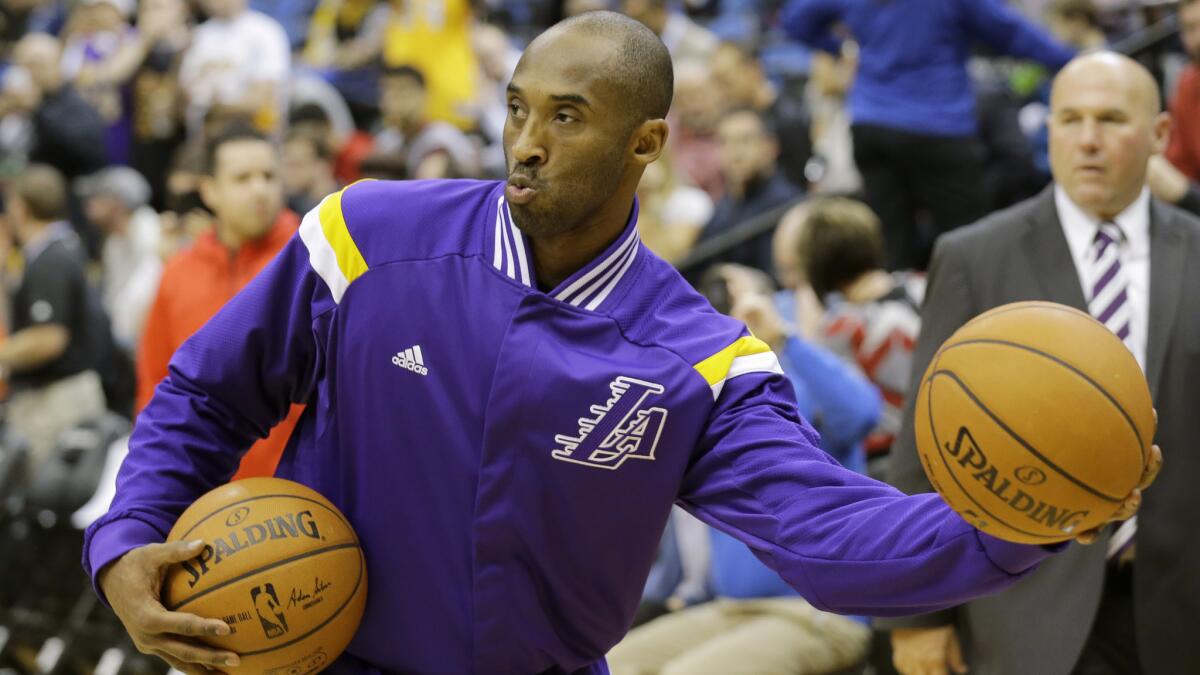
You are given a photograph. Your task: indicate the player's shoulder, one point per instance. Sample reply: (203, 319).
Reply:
(393, 221)
(663, 310)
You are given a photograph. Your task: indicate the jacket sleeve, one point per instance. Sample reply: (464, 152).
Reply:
(810, 21)
(227, 386)
(947, 306)
(844, 541)
(1004, 29)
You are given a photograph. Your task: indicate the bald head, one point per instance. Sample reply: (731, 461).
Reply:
(1119, 74)
(1106, 121)
(637, 62)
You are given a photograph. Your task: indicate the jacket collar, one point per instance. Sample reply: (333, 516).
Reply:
(590, 287)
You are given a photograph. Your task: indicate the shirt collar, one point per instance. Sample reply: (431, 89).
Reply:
(1080, 228)
(590, 286)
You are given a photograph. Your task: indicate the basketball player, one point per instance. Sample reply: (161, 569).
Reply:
(506, 394)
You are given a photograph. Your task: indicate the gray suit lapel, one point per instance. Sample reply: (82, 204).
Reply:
(1047, 250)
(1167, 250)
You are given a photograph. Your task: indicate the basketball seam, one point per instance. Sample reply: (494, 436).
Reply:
(1087, 488)
(210, 514)
(1104, 392)
(278, 563)
(1028, 304)
(938, 446)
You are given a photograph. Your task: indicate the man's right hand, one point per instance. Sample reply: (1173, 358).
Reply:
(133, 585)
(927, 651)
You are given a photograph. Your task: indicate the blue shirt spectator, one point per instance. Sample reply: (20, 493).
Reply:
(912, 72)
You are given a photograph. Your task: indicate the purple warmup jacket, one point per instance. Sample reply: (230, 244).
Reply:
(508, 456)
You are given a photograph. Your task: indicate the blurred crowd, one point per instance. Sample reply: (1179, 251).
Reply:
(155, 155)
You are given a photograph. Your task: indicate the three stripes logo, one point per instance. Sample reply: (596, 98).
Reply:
(411, 359)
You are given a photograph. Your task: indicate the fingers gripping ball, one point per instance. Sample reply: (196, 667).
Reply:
(1034, 422)
(282, 567)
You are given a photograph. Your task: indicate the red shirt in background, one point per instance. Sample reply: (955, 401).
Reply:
(1183, 150)
(196, 283)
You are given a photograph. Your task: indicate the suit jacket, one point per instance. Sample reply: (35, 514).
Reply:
(1039, 626)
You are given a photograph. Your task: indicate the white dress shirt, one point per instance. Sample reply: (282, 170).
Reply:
(1134, 251)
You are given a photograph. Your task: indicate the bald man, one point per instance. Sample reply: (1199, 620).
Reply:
(506, 393)
(1098, 241)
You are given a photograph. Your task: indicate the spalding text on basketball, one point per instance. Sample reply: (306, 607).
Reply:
(970, 456)
(291, 525)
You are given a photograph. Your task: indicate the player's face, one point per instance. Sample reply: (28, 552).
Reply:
(1103, 131)
(567, 139)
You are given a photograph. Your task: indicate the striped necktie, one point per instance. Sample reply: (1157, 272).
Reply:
(1108, 301)
(1109, 298)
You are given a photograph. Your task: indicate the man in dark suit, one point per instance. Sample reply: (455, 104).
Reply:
(1102, 609)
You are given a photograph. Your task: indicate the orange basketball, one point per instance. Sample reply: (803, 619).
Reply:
(281, 566)
(1034, 422)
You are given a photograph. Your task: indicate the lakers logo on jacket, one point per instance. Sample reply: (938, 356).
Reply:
(618, 430)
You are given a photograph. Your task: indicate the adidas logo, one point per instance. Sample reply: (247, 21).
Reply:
(411, 359)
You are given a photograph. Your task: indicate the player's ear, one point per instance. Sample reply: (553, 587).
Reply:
(649, 141)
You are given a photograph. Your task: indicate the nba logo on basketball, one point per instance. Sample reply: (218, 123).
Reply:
(266, 603)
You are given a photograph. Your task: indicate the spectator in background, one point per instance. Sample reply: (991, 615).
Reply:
(186, 217)
(754, 184)
(244, 192)
(431, 148)
(795, 300)
(434, 36)
(1171, 185)
(116, 201)
(307, 171)
(56, 337)
(685, 39)
(497, 60)
(345, 39)
(695, 113)
(155, 99)
(873, 316)
(831, 169)
(68, 134)
(348, 149)
(96, 61)
(912, 106)
(671, 214)
(238, 61)
(1077, 23)
(739, 76)
(1183, 151)
(1010, 170)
